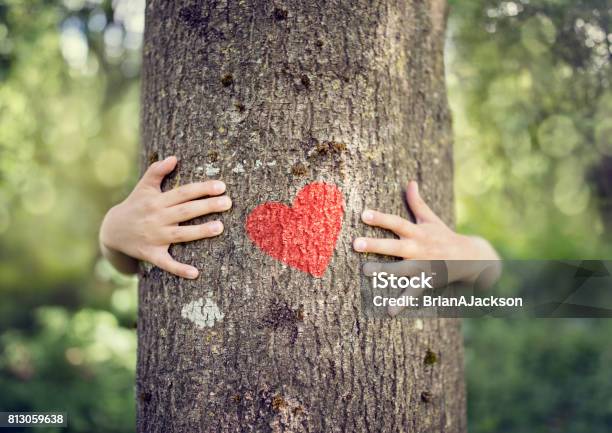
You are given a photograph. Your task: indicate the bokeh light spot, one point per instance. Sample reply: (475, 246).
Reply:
(38, 195)
(537, 34)
(571, 195)
(558, 136)
(112, 167)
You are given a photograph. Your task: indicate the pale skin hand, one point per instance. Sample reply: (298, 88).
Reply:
(427, 239)
(146, 223)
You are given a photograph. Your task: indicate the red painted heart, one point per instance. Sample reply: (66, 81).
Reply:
(302, 236)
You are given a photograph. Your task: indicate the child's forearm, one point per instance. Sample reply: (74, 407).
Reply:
(122, 262)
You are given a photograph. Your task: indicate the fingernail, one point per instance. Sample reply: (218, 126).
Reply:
(225, 201)
(192, 273)
(216, 226)
(367, 216)
(359, 244)
(218, 186)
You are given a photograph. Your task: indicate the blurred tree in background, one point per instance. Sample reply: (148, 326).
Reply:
(529, 84)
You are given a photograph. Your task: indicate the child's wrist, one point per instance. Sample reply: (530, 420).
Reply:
(103, 236)
(477, 248)
(110, 249)
(122, 262)
(481, 254)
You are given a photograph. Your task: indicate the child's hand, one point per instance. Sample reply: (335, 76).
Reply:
(428, 239)
(424, 242)
(145, 224)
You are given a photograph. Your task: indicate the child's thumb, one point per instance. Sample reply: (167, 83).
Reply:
(158, 170)
(419, 208)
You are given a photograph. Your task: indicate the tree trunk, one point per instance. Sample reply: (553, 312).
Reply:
(270, 97)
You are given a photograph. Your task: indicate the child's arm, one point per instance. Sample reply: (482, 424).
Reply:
(145, 224)
(427, 239)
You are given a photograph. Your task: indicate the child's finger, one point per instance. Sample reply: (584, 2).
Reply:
(404, 268)
(194, 232)
(167, 263)
(388, 247)
(195, 208)
(421, 211)
(401, 268)
(398, 225)
(192, 191)
(157, 171)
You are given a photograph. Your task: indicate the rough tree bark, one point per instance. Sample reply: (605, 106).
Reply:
(270, 96)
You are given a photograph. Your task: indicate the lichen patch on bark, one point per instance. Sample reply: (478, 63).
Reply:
(204, 313)
(211, 170)
(238, 169)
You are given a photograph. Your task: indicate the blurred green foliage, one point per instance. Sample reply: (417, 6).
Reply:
(529, 85)
(69, 86)
(539, 376)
